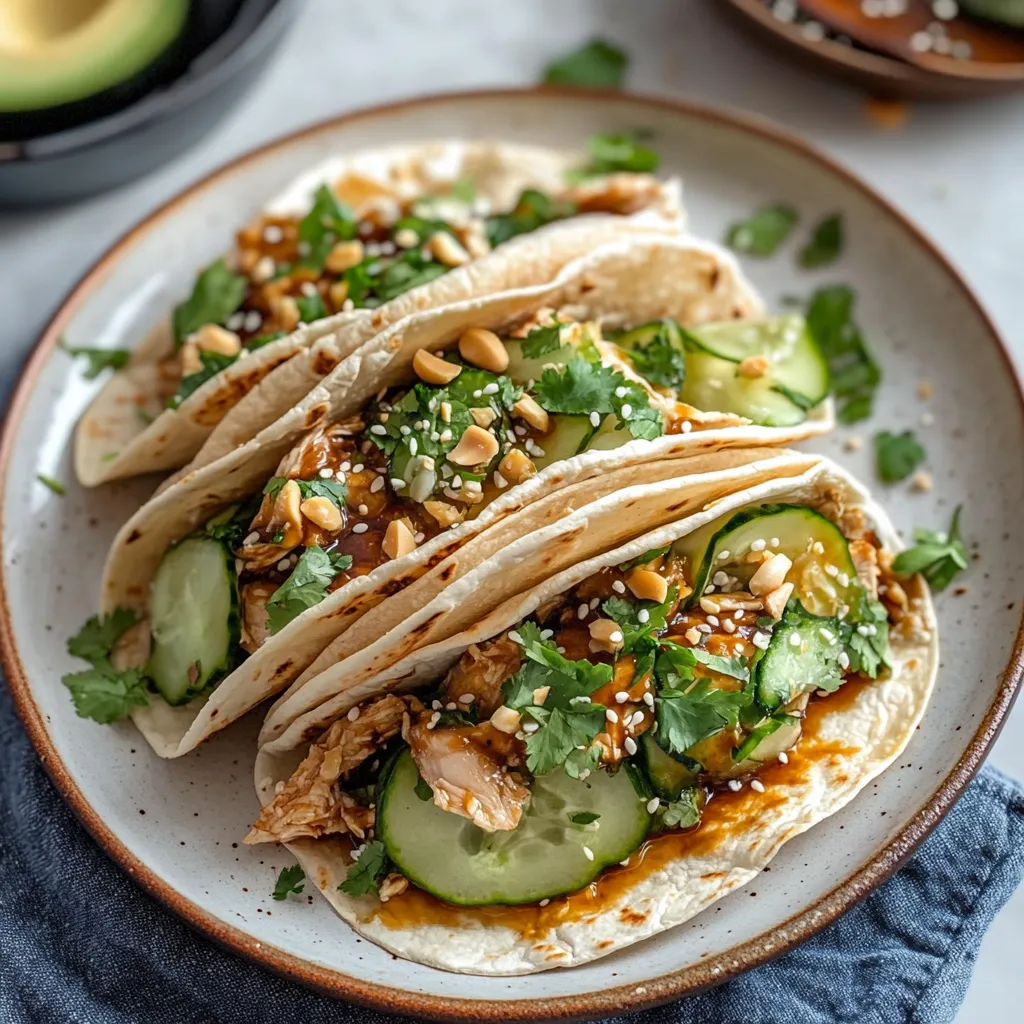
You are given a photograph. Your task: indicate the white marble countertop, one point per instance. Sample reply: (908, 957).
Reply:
(954, 168)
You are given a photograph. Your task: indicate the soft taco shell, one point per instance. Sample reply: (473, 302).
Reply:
(499, 172)
(872, 723)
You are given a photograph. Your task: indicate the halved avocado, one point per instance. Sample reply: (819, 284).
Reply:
(54, 52)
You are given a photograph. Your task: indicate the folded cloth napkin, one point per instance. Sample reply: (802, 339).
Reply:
(79, 941)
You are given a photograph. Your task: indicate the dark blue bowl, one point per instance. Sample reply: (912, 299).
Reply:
(124, 143)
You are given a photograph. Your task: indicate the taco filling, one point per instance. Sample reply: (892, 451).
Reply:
(359, 245)
(420, 459)
(617, 710)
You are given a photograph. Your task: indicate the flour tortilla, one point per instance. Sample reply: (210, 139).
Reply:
(499, 172)
(879, 723)
(637, 280)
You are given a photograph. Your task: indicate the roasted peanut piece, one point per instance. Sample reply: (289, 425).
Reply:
(516, 467)
(541, 694)
(288, 512)
(445, 514)
(344, 256)
(323, 512)
(505, 719)
(647, 585)
(286, 311)
(483, 417)
(447, 250)
(528, 409)
(432, 369)
(605, 635)
(753, 367)
(483, 348)
(211, 338)
(770, 575)
(190, 361)
(394, 885)
(775, 602)
(739, 601)
(338, 293)
(398, 540)
(475, 447)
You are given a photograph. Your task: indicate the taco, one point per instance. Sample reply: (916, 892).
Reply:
(404, 454)
(350, 247)
(605, 755)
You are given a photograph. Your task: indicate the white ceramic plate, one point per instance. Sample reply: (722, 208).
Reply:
(174, 825)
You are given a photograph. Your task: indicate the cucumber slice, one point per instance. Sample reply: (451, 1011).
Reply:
(823, 572)
(449, 856)
(803, 656)
(668, 775)
(194, 618)
(712, 385)
(641, 337)
(521, 369)
(795, 361)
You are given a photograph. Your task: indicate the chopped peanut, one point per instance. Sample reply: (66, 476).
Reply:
(505, 719)
(445, 514)
(605, 635)
(288, 512)
(483, 348)
(541, 694)
(483, 417)
(211, 338)
(475, 447)
(344, 256)
(286, 311)
(753, 367)
(434, 370)
(394, 885)
(516, 467)
(338, 293)
(647, 585)
(190, 361)
(398, 540)
(775, 602)
(528, 409)
(323, 512)
(447, 249)
(740, 601)
(771, 574)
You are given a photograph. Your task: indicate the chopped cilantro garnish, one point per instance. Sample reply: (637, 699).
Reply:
(939, 557)
(764, 232)
(639, 620)
(315, 488)
(232, 524)
(660, 361)
(533, 210)
(305, 587)
(542, 340)
(328, 222)
(364, 873)
(410, 270)
(55, 485)
(213, 363)
(218, 292)
(684, 812)
(597, 65)
(646, 558)
(613, 153)
(685, 717)
(291, 880)
(96, 639)
(311, 308)
(826, 243)
(675, 664)
(264, 339)
(868, 650)
(855, 374)
(897, 455)
(98, 359)
(584, 817)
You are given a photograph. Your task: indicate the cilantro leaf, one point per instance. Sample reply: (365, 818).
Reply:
(96, 639)
(596, 65)
(643, 420)
(612, 153)
(897, 455)
(54, 485)
(939, 557)
(105, 695)
(533, 210)
(98, 359)
(328, 222)
(218, 292)
(335, 490)
(868, 650)
(584, 817)
(310, 307)
(231, 525)
(675, 664)
(762, 732)
(764, 232)
(263, 339)
(685, 717)
(636, 627)
(274, 484)
(213, 363)
(363, 874)
(826, 243)
(684, 812)
(562, 733)
(542, 340)
(291, 880)
(580, 762)
(305, 587)
(464, 190)
(579, 388)
(408, 271)
(646, 558)
(659, 361)
(855, 374)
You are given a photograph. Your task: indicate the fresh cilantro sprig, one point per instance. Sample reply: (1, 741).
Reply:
(305, 587)
(213, 363)
(533, 210)
(218, 292)
(97, 359)
(868, 648)
(763, 233)
(366, 871)
(542, 341)
(610, 154)
(597, 65)
(335, 490)
(675, 664)
(757, 735)
(897, 455)
(854, 373)
(101, 692)
(683, 812)
(939, 557)
(661, 361)
(646, 558)
(310, 307)
(685, 717)
(640, 621)
(328, 222)
(826, 243)
(291, 880)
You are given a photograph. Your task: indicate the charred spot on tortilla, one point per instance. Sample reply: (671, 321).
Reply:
(324, 362)
(448, 571)
(133, 537)
(317, 414)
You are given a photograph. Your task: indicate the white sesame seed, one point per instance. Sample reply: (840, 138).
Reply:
(515, 635)
(774, 542)
(283, 565)
(612, 716)
(377, 485)
(827, 635)
(413, 445)
(621, 392)
(648, 700)
(544, 903)
(621, 697)
(588, 853)
(653, 804)
(627, 410)
(619, 587)
(703, 628)
(794, 640)
(273, 234)
(686, 427)
(491, 389)
(381, 431)
(616, 637)
(761, 640)
(630, 744)
(842, 579)
(360, 528)
(397, 483)
(326, 474)
(758, 545)
(729, 626)
(363, 510)
(595, 419)
(531, 727)
(735, 785)
(252, 322)
(757, 785)
(713, 620)
(844, 660)
(353, 713)
(251, 539)
(582, 611)
(783, 757)
(724, 556)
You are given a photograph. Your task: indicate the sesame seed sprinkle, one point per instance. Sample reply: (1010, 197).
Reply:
(653, 804)
(643, 615)
(735, 785)
(783, 757)
(619, 587)
(360, 528)
(621, 697)
(757, 785)
(630, 744)
(595, 419)
(588, 853)
(612, 716)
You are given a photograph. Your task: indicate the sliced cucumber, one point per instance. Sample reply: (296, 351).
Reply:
(449, 856)
(795, 363)
(194, 618)
(764, 743)
(641, 337)
(803, 656)
(521, 369)
(668, 775)
(823, 572)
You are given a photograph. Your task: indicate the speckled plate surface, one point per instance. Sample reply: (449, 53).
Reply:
(924, 326)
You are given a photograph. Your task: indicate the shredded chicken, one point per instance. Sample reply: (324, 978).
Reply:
(252, 598)
(467, 777)
(865, 559)
(311, 803)
(480, 673)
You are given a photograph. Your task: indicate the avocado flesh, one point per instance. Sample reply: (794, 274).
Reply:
(54, 52)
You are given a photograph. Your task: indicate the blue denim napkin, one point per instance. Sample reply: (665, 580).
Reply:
(80, 942)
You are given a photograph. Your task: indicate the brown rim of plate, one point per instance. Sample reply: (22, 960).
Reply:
(673, 985)
(882, 74)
